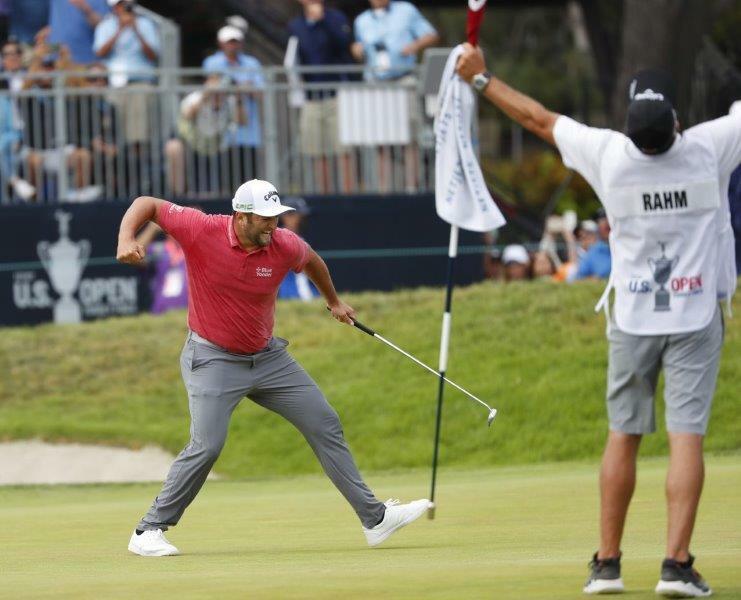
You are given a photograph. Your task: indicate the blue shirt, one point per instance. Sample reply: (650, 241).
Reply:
(27, 17)
(325, 42)
(734, 199)
(596, 262)
(390, 29)
(247, 71)
(127, 57)
(70, 27)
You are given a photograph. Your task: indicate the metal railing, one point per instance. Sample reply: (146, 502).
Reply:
(195, 135)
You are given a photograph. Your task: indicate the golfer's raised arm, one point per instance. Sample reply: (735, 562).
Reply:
(142, 210)
(316, 270)
(529, 113)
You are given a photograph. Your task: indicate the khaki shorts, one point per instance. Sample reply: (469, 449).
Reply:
(318, 128)
(690, 362)
(137, 106)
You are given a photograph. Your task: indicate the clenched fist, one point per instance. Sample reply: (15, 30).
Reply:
(130, 253)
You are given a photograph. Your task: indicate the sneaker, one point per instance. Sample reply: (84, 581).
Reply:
(604, 576)
(397, 515)
(88, 193)
(24, 190)
(151, 543)
(680, 580)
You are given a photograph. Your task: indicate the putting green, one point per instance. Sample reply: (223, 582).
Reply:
(518, 533)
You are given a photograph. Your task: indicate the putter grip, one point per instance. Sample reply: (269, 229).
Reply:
(362, 327)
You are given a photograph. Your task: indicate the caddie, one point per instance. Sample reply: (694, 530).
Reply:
(235, 264)
(665, 193)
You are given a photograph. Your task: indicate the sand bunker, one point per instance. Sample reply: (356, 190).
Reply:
(37, 462)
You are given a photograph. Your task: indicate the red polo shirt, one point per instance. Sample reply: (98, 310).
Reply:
(231, 292)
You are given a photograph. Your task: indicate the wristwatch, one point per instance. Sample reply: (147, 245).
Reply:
(480, 81)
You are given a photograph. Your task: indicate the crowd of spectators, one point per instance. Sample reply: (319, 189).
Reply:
(100, 45)
(567, 252)
(216, 136)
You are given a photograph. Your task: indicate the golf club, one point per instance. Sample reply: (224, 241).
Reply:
(492, 411)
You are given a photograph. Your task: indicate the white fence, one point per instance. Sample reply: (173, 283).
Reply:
(191, 134)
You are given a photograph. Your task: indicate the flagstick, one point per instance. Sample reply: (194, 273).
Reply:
(443, 366)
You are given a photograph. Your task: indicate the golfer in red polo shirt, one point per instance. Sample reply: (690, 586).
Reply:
(235, 266)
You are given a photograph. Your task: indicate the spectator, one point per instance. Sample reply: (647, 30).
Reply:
(587, 233)
(493, 265)
(734, 199)
(128, 43)
(389, 36)
(516, 263)
(73, 23)
(11, 134)
(324, 38)
(13, 65)
(296, 286)
(492, 258)
(4, 20)
(206, 117)
(244, 140)
(543, 265)
(93, 124)
(547, 262)
(596, 262)
(28, 17)
(41, 149)
(166, 261)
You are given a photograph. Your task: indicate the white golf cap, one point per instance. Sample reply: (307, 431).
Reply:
(228, 33)
(113, 3)
(258, 197)
(515, 253)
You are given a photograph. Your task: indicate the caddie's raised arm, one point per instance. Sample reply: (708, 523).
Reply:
(142, 210)
(529, 113)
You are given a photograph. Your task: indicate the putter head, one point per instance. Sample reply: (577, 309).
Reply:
(492, 416)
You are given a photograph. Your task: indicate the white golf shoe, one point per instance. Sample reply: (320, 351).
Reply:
(397, 515)
(151, 543)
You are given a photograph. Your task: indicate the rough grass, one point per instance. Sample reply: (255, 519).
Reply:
(536, 351)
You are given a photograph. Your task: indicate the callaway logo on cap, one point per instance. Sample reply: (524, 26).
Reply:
(258, 197)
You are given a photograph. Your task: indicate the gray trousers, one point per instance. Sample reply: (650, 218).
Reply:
(216, 381)
(690, 362)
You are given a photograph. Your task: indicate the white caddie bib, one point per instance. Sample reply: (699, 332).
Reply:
(671, 235)
(664, 242)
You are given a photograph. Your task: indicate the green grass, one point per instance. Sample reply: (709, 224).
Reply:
(511, 533)
(536, 351)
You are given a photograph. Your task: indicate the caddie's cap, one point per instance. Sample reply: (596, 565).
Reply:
(229, 33)
(515, 253)
(258, 197)
(650, 120)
